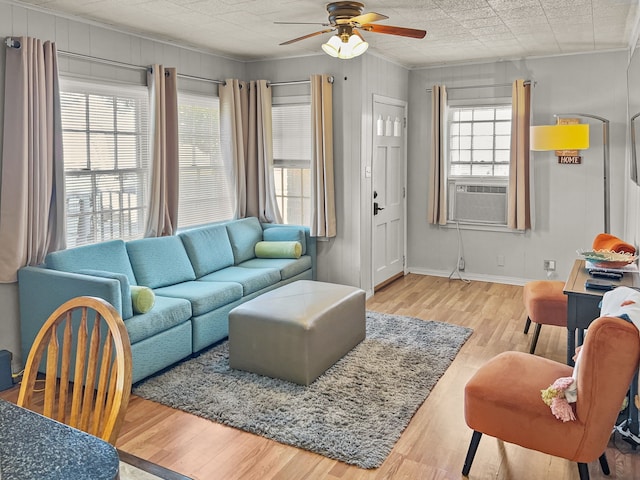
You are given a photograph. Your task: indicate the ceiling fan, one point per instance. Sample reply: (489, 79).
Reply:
(346, 18)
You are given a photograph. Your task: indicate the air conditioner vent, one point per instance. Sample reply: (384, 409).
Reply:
(478, 203)
(481, 189)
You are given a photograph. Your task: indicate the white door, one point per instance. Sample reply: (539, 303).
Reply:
(389, 166)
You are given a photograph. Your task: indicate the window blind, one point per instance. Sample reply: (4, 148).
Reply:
(206, 188)
(106, 160)
(291, 158)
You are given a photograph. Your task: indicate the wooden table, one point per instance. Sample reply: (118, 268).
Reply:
(583, 303)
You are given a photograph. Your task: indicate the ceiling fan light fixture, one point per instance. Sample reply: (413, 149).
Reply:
(357, 45)
(333, 46)
(336, 46)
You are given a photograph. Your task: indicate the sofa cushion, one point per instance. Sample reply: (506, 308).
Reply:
(109, 256)
(288, 267)
(160, 261)
(125, 288)
(244, 234)
(204, 296)
(251, 279)
(286, 234)
(208, 248)
(165, 314)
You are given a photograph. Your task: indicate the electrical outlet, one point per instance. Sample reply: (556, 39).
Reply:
(550, 265)
(461, 263)
(500, 260)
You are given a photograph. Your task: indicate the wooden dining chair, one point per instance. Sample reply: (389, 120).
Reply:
(83, 349)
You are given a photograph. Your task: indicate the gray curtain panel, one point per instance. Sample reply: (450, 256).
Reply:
(519, 209)
(162, 217)
(437, 202)
(32, 200)
(261, 190)
(234, 127)
(323, 209)
(247, 143)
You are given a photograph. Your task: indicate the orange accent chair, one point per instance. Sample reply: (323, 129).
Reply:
(503, 398)
(546, 304)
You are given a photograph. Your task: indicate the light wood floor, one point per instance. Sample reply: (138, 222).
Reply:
(434, 444)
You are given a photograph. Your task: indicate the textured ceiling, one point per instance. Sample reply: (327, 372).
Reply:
(457, 30)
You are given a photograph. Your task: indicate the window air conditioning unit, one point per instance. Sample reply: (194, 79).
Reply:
(478, 203)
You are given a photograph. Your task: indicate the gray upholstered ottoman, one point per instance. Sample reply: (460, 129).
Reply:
(297, 331)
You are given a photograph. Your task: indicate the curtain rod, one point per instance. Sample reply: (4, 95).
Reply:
(11, 43)
(114, 63)
(296, 82)
(496, 85)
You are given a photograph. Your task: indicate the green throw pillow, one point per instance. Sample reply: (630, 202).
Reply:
(278, 249)
(142, 299)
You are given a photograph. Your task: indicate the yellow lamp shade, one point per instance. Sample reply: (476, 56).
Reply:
(559, 137)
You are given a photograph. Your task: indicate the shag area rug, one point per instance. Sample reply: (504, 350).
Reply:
(355, 412)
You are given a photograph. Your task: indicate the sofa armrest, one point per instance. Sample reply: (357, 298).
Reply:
(311, 249)
(42, 290)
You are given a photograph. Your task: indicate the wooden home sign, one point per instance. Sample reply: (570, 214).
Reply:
(570, 159)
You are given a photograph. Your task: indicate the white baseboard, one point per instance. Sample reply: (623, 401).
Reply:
(471, 276)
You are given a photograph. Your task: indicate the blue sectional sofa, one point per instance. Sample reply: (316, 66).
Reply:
(197, 277)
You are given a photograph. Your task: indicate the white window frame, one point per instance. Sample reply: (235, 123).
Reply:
(483, 180)
(280, 167)
(98, 215)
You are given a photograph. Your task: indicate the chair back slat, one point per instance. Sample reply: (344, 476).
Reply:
(90, 379)
(51, 379)
(64, 370)
(78, 378)
(113, 379)
(103, 383)
(99, 363)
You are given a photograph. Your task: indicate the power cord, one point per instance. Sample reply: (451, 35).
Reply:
(460, 260)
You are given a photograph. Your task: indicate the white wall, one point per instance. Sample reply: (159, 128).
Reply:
(568, 199)
(89, 39)
(345, 259)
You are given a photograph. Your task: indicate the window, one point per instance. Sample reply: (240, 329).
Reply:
(206, 190)
(480, 141)
(105, 139)
(479, 153)
(292, 158)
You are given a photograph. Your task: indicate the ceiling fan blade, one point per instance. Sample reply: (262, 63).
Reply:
(324, 24)
(307, 36)
(391, 30)
(368, 18)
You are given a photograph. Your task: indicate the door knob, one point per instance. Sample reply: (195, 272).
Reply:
(376, 208)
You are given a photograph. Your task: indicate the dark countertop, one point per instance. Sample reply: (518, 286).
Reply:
(36, 447)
